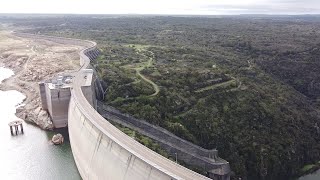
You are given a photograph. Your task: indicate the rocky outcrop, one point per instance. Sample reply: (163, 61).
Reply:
(57, 139)
(39, 116)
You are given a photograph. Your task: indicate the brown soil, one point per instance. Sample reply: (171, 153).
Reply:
(33, 61)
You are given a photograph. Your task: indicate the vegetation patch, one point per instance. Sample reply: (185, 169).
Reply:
(177, 72)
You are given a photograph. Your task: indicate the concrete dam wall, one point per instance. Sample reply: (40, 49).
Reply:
(185, 151)
(100, 150)
(100, 157)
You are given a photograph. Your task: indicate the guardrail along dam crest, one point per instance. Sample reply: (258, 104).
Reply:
(100, 150)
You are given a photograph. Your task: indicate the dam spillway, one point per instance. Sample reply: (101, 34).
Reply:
(100, 150)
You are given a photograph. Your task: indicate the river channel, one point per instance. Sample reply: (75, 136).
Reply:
(31, 155)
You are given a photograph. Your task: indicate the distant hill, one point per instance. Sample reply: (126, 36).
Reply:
(247, 86)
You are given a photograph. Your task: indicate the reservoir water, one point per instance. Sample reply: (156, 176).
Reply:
(31, 155)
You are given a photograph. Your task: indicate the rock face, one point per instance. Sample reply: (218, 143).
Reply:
(57, 139)
(39, 117)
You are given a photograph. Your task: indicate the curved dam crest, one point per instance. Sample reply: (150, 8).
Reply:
(101, 151)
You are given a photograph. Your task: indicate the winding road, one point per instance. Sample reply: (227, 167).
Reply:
(138, 72)
(166, 166)
(148, 64)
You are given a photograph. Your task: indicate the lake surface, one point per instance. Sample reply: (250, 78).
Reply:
(31, 155)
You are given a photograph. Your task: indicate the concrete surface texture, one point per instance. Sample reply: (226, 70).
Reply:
(101, 151)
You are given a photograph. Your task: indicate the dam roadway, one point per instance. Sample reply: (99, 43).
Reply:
(123, 157)
(101, 151)
(163, 168)
(134, 160)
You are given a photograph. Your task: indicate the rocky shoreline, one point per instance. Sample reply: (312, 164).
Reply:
(34, 61)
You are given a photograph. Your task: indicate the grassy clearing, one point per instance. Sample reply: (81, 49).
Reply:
(137, 47)
(307, 167)
(224, 84)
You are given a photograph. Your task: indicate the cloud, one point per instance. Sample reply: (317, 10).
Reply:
(162, 6)
(268, 7)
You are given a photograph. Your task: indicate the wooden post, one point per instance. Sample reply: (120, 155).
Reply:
(16, 127)
(11, 130)
(21, 126)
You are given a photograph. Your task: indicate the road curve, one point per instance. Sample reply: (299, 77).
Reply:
(164, 165)
(157, 161)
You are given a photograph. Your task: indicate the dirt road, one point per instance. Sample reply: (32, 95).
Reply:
(33, 61)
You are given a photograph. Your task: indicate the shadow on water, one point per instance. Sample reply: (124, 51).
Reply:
(63, 131)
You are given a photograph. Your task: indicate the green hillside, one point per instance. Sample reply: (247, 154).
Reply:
(247, 86)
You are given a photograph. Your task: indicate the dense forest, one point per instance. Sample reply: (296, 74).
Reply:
(248, 86)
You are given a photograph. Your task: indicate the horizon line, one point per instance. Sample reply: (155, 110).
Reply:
(146, 14)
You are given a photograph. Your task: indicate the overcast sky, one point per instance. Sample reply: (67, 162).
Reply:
(206, 7)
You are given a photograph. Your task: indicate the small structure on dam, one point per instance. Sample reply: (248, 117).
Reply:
(100, 150)
(56, 93)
